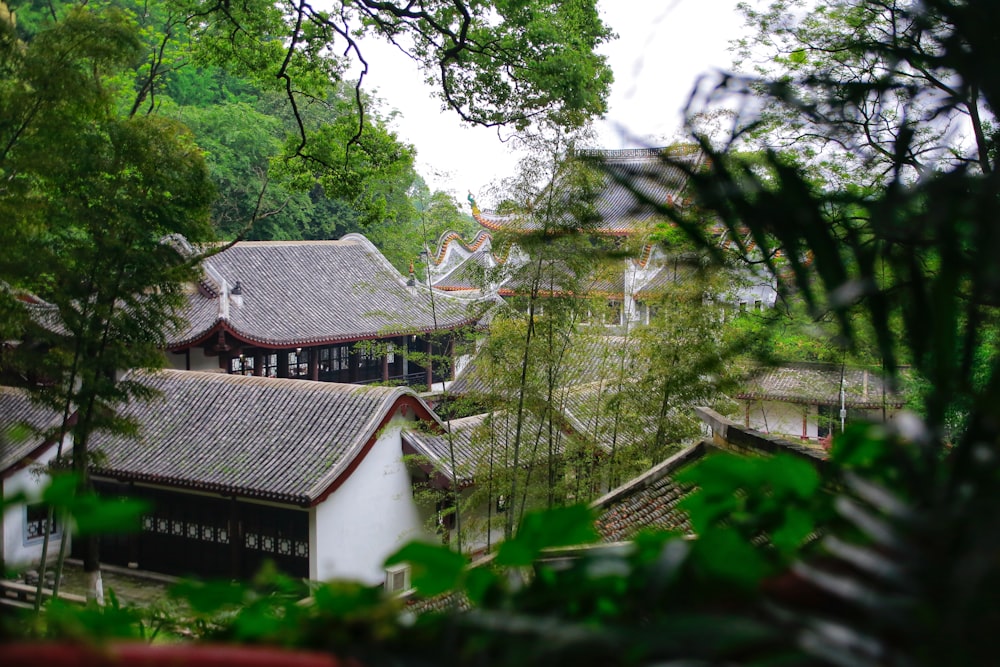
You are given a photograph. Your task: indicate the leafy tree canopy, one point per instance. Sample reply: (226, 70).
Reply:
(860, 90)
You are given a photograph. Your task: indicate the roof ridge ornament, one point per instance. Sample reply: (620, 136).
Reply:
(472, 204)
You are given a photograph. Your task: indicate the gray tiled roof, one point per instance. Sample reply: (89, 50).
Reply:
(18, 413)
(647, 501)
(589, 359)
(470, 274)
(646, 173)
(600, 283)
(313, 292)
(592, 415)
(282, 440)
(42, 313)
(818, 384)
(476, 436)
(468, 444)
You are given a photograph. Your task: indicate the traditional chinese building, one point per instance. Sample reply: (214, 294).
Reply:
(239, 470)
(28, 441)
(333, 311)
(812, 401)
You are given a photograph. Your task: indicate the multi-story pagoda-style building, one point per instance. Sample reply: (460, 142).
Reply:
(632, 179)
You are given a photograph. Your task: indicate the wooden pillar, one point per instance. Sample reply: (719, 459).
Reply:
(385, 366)
(258, 362)
(352, 365)
(313, 353)
(282, 363)
(133, 536)
(805, 424)
(236, 541)
(404, 349)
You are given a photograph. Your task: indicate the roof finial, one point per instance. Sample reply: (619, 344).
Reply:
(472, 203)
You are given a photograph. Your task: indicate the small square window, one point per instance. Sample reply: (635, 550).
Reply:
(36, 515)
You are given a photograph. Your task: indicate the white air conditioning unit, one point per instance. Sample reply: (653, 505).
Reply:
(397, 578)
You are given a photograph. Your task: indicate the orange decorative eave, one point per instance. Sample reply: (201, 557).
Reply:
(481, 237)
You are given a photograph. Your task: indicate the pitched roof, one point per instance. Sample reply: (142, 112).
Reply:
(621, 211)
(280, 440)
(294, 293)
(588, 359)
(819, 384)
(17, 414)
(470, 274)
(667, 275)
(648, 501)
(44, 314)
(592, 415)
(435, 446)
(476, 436)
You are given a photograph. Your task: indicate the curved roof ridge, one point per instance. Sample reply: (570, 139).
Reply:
(287, 383)
(446, 238)
(373, 252)
(375, 419)
(644, 256)
(312, 293)
(299, 242)
(229, 442)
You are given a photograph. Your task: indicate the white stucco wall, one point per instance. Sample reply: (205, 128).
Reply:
(474, 523)
(199, 361)
(367, 518)
(476, 519)
(782, 418)
(18, 551)
(785, 419)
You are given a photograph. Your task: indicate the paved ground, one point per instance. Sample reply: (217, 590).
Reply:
(132, 587)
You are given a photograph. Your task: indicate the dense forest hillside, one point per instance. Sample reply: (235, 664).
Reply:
(357, 175)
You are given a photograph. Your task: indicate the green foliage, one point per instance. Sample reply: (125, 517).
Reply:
(435, 568)
(93, 624)
(841, 81)
(747, 499)
(557, 527)
(295, 151)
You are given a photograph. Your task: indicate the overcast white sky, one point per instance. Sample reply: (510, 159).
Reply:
(662, 48)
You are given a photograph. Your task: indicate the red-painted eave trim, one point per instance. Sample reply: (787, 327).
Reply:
(33, 455)
(225, 490)
(305, 342)
(403, 401)
(29, 458)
